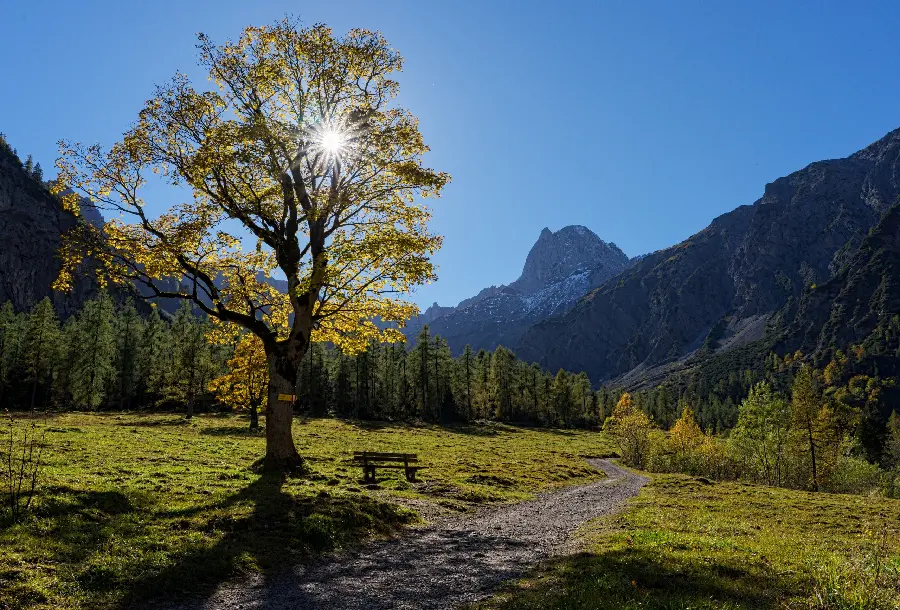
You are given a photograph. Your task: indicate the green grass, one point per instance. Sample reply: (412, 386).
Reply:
(148, 506)
(687, 544)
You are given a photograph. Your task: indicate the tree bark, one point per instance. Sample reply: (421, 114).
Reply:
(283, 360)
(254, 416)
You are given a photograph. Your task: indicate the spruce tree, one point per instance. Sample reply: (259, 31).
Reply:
(10, 339)
(129, 330)
(93, 360)
(29, 165)
(155, 355)
(40, 347)
(191, 357)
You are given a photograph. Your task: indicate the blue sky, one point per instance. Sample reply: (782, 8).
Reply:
(640, 120)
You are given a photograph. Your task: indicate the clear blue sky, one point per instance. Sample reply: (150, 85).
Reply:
(640, 120)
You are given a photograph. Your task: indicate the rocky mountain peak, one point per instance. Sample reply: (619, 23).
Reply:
(558, 255)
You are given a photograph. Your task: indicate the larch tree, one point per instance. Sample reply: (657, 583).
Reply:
(298, 148)
(807, 419)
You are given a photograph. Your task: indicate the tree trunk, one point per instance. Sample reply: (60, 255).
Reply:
(283, 359)
(254, 416)
(812, 451)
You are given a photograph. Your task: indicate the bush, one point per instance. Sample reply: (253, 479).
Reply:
(853, 475)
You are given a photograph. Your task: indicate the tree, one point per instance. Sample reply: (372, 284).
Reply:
(10, 337)
(244, 385)
(37, 173)
(41, 340)
(155, 347)
(810, 419)
(191, 356)
(686, 435)
(892, 444)
(761, 433)
(94, 352)
(129, 328)
(301, 144)
(631, 428)
(29, 165)
(501, 383)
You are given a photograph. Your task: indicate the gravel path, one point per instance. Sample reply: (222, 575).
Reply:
(458, 561)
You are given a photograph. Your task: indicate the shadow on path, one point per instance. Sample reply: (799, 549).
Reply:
(460, 561)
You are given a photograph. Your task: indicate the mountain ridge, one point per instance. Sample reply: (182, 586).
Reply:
(740, 269)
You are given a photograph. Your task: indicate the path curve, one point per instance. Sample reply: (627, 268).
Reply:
(456, 562)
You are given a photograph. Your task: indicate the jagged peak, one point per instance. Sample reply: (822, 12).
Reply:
(878, 148)
(557, 255)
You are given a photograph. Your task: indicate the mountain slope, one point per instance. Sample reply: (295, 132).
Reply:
(560, 268)
(31, 222)
(729, 278)
(862, 297)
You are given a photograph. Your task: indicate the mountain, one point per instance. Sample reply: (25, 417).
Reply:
(31, 222)
(862, 298)
(560, 268)
(721, 286)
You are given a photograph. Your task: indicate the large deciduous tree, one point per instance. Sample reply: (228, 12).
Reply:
(299, 164)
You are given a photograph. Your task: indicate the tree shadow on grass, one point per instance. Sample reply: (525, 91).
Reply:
(155, 421)
(242, 430)
(280, 531)
(631, 579)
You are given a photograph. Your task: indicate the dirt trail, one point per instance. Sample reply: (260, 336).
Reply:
(453, 563)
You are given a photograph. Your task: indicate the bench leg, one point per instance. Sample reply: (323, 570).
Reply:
(411, 475)
(369, 476)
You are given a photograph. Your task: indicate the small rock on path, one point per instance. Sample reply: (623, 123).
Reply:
(459, 561)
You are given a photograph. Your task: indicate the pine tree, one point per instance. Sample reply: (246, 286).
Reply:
(29, 165)
(562, 398)
(40, 347)
(93, 360)
(38, 173)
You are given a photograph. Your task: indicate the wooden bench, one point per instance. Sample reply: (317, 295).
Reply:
(370, 460)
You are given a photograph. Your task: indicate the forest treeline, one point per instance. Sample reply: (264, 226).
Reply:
(108, 357)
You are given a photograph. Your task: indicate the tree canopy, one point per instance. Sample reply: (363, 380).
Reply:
(299, 141)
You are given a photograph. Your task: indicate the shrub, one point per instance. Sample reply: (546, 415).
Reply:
(20, 464)
(631, 428)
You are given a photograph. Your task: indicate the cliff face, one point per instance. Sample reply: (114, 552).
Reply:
(733, 274)
(864, 295)
(31, 222)
(560, 268)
